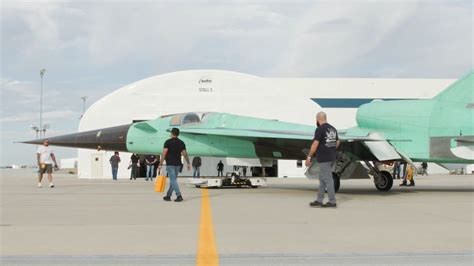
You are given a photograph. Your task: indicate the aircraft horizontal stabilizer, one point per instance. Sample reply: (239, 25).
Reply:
(145, 127)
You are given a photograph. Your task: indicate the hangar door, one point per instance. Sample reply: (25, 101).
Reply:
(97, 167)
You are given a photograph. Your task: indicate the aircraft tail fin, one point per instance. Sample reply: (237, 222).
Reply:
(461, 91)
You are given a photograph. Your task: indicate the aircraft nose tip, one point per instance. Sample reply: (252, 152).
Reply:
(112, 138)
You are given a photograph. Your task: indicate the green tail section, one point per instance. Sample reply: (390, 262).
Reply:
(461, 91)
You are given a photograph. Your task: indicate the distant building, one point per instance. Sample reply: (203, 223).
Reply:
(68, 163)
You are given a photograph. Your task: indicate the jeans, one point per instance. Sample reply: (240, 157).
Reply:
(197, 171)
(172, 171)
(404, 168)
(326, 182)
(114, 173)
(396, 171)
(150, 169)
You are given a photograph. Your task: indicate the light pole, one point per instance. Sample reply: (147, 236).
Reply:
(45, 126)
(42, 72)
(84, 98)
(36, 129)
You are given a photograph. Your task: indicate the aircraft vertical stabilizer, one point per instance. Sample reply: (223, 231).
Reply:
(461, 91)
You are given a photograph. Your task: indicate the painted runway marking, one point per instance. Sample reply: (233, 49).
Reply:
(207, 251)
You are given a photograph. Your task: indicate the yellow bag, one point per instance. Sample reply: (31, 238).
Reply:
(160, 183)
(410, 173)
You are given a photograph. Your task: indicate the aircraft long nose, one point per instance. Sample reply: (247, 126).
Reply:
(111, 138)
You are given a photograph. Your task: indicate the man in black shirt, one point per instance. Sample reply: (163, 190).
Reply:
(150, 166)
(172, 151)
(325, 143)
(220, 169)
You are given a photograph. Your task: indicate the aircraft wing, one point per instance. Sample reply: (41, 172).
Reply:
(249, 133)
(285, 144)
(278, 144)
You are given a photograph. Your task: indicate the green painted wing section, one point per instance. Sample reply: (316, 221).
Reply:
(250, 133)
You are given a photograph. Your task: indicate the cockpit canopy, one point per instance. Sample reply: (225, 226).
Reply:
(186, 118)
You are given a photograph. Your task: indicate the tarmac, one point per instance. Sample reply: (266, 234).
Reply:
(105, 222)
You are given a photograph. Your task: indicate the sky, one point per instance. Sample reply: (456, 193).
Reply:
(91, 48)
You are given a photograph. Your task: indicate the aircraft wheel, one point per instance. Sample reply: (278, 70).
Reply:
(384, 182)
(337, 181)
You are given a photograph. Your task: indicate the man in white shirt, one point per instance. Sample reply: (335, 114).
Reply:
(45, 157)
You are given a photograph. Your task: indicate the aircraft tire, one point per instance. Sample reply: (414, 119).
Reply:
(337, 181)
(386, 181)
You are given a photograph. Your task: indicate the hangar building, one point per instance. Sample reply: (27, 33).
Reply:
(287, 99)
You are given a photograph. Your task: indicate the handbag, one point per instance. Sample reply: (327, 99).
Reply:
(160, 183)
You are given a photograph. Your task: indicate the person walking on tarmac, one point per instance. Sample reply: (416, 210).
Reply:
(424, 168)
(408, 176)
(45, 157)
(172, 151)
(323, 148)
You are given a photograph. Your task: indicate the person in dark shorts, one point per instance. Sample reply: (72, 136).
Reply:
(45, 158)
(172, 151)
(323, 148)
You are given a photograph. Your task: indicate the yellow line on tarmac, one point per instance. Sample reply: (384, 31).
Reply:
(207, 251)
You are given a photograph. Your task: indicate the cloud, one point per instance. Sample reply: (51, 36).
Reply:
(34, 116)
(163, 35)
(19, 91)
(381, 39)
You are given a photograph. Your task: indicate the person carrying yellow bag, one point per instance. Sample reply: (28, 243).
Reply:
(172, 151)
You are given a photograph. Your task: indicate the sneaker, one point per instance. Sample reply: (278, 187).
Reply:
(403, 184)
(411, 184)
(146, 179)
(39, 185)
(167, 198)
(329, 205)
(179, 198)
(51, 185)
(315, 204)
